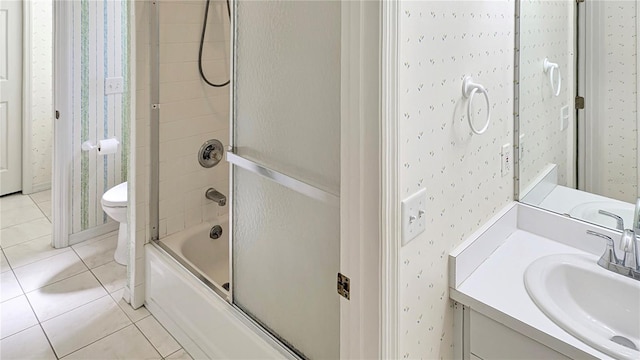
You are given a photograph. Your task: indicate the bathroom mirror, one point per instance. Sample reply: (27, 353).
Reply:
(576, 109)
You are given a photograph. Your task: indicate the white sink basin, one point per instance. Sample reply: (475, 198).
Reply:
(595, 305)
(589, 212)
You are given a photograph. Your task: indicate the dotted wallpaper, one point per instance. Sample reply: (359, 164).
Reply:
(440, 43)
(546, 31)
(42, 94)
(618, 126)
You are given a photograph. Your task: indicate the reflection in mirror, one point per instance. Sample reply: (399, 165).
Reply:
(583, 162)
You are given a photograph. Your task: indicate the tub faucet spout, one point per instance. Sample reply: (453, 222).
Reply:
(215, 195)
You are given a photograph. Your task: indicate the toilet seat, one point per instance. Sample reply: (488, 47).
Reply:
(116, 196)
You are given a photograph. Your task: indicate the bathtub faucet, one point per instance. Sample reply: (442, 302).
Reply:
(215, 195)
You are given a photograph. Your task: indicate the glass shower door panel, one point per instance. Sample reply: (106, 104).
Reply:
(286, 255)
(287, 88)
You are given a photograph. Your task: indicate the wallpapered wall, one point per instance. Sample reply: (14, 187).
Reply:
(100, 43)
(440, 43)
(42, 94)
(614, 120)
(546, 31)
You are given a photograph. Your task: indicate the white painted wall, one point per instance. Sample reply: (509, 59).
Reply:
(41, 93)
(546, 31)
(440, 43)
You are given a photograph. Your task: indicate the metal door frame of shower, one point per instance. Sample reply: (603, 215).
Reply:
(368, 174)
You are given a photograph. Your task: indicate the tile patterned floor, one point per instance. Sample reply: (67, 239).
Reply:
(67, 303)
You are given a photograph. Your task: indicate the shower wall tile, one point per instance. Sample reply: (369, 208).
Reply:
(546, 32)
(191, 112)
(441, 42)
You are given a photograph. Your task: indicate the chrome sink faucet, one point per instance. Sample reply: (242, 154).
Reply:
(629, 265)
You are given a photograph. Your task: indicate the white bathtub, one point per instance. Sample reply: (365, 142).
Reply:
(209, 257)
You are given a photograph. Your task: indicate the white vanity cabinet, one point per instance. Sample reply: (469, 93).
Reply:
(494, 316)
(487, 339)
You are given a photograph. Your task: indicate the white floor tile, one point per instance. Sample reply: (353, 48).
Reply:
(9, 287)
(49, 270)
(4, 264)
(99, 252)
(65, 295)
(15, 316)
(133, 314)
(45, 207)
(111, 275)
(159, 337)
(25, 232)
(41, 196)
(84, 325)
(14, 201)
(31, 251)
(27, 344)
(127, 343)
(16, 216)
(179, 355)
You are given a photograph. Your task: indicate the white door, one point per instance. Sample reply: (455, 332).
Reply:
(10, 96)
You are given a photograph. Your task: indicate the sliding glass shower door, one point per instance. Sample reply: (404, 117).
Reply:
(286, 170)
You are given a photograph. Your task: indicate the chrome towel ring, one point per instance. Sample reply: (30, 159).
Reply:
(552, 68)
(469, 89)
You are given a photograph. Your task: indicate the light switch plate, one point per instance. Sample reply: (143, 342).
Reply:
(113, 85)
(414, 216)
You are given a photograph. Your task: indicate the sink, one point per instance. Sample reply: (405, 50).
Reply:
(595, 305)
(589, 212)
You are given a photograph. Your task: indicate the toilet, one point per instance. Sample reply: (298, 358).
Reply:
(114, 203)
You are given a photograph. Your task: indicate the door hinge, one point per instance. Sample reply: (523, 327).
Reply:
(57, 114)
(579, 103)
(343, 286)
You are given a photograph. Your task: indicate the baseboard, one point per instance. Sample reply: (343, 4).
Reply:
(93, 232)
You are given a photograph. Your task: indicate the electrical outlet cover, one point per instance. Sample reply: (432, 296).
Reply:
(564, 118)
(506, 156)
(113, 85)
(414, 216)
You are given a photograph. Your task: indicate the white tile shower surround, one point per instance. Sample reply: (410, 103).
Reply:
(67, 303)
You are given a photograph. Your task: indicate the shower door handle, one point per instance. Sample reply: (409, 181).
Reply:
(284, 180)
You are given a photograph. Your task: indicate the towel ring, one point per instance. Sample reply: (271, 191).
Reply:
(552, 68)
(469, 89)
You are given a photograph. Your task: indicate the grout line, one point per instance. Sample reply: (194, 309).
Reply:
(36, 316)
(95, 341)
(145, 336)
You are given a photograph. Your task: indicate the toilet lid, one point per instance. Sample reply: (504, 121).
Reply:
(116, 196)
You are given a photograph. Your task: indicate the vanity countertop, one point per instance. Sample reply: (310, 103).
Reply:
(496, 289)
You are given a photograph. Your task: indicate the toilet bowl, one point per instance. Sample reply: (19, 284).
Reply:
(114, 204)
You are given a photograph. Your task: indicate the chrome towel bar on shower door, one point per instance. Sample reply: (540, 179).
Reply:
(284, 180)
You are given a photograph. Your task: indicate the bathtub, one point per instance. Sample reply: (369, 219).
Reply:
(208, 258)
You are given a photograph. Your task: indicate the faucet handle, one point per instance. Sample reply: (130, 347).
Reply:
(630, 248)
(609, 256)
(619, 220)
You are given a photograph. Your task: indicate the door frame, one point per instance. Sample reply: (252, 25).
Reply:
(62, 85)
(27, 183)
